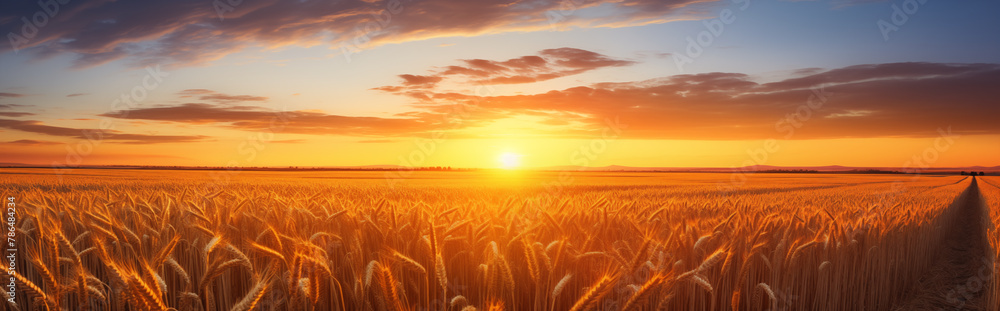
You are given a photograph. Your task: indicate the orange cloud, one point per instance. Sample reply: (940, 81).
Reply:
(15, 114)
(883, 100)
(261, 119)
(879, 100)
(548, 64)
(31, 142)
(420, 81)
(216, 97)
(107, 135)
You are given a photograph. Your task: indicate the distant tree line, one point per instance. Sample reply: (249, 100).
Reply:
(974, 173)
(874, 171)
(790, 171)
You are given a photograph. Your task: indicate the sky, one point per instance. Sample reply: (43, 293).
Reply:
(500, 83)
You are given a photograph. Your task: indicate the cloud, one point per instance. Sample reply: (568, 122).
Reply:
(45, 158)
(850, 114)
(106, 135)
(420, 81)
(864, 101)
(550, 64)
(10, 95)
(879, 100)
(15, 114)
(30, 142)
(77, 94)
(216, 97)
(546, 65)
(194, 32)
(261, 119)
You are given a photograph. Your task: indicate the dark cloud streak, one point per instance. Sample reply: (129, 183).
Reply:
(190, 32)
(261, 119)
(15, 114)
(547, 65)
(865, 101)
(108, 135)
(221, 98)
(30, 142)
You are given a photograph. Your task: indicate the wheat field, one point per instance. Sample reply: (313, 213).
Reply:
(991, 192)
(149, 240)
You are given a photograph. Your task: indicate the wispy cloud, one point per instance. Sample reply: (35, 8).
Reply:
(883, 100)
(850, 114)
(31, 142)
(546, 65)
(878, 100)
(15, 114)
(258, 119)
(190, 32)
(221, 98)
(112, 136)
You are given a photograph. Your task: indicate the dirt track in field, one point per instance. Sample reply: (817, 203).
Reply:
(958, 278)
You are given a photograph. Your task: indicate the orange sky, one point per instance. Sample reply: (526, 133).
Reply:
(605, 83)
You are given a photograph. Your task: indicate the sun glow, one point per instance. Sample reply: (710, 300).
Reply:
(509, 160)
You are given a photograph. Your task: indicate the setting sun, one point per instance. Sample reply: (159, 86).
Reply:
(509, 160)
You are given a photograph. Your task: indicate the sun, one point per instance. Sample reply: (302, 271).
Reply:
(509, 160)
